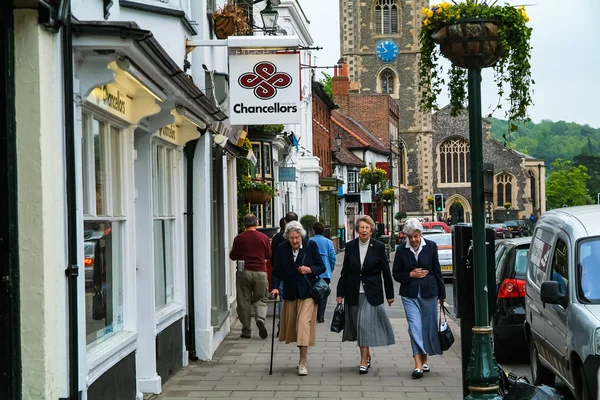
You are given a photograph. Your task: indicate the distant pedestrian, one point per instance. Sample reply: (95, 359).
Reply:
(297, 265)
(417, 268)
(328, 255)
(532, 219)
(252, 284)
(361, 290)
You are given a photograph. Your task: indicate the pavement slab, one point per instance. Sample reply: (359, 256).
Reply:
(240, 368)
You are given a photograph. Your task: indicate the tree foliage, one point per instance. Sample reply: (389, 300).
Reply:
(592, 163)
(327, 82)
(566, 185)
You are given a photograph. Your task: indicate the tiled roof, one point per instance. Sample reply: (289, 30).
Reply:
(346, 157)
(359, 133)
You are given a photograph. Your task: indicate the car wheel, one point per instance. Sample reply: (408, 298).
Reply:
(582, 387)
(539, 374)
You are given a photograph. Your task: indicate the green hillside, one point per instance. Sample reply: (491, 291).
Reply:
(549, 140)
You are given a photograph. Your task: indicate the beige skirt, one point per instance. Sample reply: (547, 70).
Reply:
(298, 322)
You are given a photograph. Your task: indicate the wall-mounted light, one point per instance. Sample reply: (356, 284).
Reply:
(269, 18)
(220, 140)
(338, 140)
(193, 118)
(156, 91)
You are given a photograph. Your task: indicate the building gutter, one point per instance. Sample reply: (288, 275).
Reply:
(190, 336)
(149, 45)
(72, 270)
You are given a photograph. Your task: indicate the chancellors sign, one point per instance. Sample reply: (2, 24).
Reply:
(265, 88)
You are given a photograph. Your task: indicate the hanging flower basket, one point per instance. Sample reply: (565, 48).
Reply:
(470, 43)
(230, 20)
(257, 196)
(372, 176)
(388, 195)
(224, 26)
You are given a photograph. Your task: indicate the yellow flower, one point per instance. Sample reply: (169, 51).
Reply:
(424, 10)
(429, 14)
(426, 22)
(526, 18)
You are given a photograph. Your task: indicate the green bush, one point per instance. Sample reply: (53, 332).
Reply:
(307, 222)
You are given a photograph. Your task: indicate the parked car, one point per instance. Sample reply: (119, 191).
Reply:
(444, 243)
(563, 299)
(501, 230)
(508, 322)
(517, 227)
(436, 226)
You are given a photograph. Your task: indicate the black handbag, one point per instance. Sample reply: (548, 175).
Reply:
(320, 290)
(339, 319)
(444, 331)
(98, 306)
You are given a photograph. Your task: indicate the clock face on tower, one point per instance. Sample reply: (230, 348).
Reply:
(387, 51)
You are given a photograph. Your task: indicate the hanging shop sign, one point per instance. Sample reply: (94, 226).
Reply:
(265, 88)
(112, 99)
(287, 174)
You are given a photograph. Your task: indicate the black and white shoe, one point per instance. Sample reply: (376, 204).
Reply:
(417, 374)
(363, 370)
(426, 368)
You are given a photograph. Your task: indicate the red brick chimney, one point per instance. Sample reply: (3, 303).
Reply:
(341, 86)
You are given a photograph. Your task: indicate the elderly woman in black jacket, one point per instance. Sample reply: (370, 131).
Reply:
(417, 268)
(360, 287)
(297, 264)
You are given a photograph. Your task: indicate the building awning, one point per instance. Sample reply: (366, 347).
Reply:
(114, 40)
(329, 184)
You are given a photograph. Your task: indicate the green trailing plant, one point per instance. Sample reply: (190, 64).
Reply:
(507, 205)
(388, 195)
(372, 175)
(513, 67)
(400, 215)
(246, 183)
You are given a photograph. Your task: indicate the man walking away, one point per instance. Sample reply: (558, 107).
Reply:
(253, 248)
(328, 255)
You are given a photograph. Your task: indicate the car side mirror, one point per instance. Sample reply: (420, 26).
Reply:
(550, 293)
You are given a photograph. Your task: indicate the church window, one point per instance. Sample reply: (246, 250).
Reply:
(386, 16)
(504, 186)
(387, 82)
(455, 163)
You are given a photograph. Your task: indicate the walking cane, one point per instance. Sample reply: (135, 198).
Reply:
(273, 334)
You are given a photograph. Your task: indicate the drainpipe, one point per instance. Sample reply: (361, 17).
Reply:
(72, 271)
(190, 149)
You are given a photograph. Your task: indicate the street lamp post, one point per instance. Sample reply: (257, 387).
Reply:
(539, 189)
(482, 373)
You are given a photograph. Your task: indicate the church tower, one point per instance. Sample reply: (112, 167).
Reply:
(379, 42)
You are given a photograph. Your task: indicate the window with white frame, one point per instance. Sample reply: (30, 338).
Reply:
(164, 184)
(104, 227)
(455, 161)
(352, 182)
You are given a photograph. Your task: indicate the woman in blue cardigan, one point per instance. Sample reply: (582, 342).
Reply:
(297, 265)
(417, 268)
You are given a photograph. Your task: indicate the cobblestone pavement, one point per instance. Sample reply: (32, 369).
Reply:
(240, 368)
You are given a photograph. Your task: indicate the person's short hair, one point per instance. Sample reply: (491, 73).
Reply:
(294, 226)
(319, 228)
(368, 220)
(250, 220)
(412, 225)
(282, 223)
(291, 216)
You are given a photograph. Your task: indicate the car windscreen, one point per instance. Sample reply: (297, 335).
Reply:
(588, 270)
(440, 240)
(511, 223)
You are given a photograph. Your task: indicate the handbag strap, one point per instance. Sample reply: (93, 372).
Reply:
(442, 311)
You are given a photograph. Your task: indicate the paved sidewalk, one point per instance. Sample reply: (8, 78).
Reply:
(240, 368)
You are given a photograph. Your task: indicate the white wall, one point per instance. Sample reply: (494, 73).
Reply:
(41, 209)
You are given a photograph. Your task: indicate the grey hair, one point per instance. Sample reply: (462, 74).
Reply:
(294, 226)
(411, 225)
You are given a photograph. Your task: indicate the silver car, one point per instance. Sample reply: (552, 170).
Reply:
(444, 243)
(563, 299)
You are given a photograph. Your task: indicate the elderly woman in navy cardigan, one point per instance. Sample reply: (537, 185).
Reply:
(417, 268)
(297, 265)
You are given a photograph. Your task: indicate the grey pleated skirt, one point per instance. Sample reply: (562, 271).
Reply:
(368, 325)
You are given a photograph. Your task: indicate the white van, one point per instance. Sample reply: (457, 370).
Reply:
(563, 299)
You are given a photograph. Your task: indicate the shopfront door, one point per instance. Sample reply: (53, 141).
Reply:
(10, 369)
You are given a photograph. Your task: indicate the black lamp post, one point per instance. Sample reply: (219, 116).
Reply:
(269, 17)
(539, 189)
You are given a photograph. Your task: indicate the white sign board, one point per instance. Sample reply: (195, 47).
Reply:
(365, 196)
(265, 89)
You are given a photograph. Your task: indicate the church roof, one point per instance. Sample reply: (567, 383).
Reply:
(359, 135)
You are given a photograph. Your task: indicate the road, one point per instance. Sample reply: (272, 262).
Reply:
(520, 368)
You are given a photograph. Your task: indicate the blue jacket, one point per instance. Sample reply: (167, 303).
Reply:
(286, 269)
(327, 254)
(404, 262)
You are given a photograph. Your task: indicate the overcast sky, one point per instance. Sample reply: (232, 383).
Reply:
(565, 58)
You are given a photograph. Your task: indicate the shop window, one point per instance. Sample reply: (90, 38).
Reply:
(266, 159)
(104, 226)
(386, 16)
(163, 185)
(455, 163)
